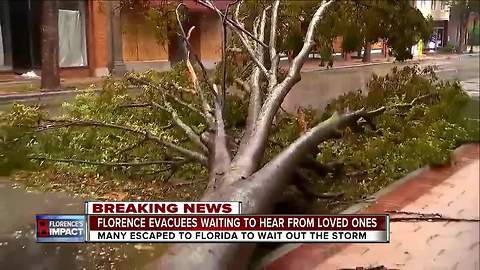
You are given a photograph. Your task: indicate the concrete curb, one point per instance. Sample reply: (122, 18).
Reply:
(352, 66)
(284, 249)
(417, 60)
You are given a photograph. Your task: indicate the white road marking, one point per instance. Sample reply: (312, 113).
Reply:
(446, 70)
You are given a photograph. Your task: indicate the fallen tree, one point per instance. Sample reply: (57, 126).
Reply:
(235, 163)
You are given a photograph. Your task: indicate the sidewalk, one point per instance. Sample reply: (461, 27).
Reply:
(14, 84)
(17, 89)
(340, 63)
(453, 192)
(22, 89)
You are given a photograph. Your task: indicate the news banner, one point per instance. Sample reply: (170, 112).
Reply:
(204, 222)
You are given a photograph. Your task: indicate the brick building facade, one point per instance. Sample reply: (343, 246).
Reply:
(95, 39)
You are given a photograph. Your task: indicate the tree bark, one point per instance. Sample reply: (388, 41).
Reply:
(474, 33)
(49, 29)
(242, 179)
(367, 55)
(258, 194)
(463, 33)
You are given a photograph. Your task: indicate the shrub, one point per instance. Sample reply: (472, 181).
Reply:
(404, 138)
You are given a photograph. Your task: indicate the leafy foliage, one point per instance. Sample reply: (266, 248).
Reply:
(404, 138)
(474, 35)
(101, 144)
(407, 136)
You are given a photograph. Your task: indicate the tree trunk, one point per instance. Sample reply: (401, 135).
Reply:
(258, 193)
(463, 32)
(240, 178)
(385, 49)
(474, 33)
(461, 44)
(49, 30)
(367, 55)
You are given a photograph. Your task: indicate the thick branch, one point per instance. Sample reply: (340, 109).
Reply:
(293, 155)
(187, 105)
(235, 26)
(219, 151)
(74, 122)
(193, 76)
(274, 59)
(248, 46)
(248, 158)
(256, 99)
(278, 94)
(179, 122)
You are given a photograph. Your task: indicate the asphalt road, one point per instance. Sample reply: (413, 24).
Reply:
(317, 88)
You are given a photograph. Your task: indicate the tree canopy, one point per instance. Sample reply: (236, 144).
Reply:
(357, 21)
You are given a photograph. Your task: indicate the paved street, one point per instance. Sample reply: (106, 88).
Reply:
(317, 88)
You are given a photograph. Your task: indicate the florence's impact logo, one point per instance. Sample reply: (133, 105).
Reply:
(61, 228)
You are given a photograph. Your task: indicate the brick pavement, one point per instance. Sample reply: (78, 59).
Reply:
(452, 191)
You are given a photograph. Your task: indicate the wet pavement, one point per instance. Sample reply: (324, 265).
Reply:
(18, 249)
(317, 88)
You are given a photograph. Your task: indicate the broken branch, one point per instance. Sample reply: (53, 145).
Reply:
(65, 123)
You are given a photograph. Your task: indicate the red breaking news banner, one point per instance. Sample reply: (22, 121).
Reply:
(205, 222)
(162, 208)
(239, 228)
(237, 223)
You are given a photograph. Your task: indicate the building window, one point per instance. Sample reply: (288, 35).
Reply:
(72, 33)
